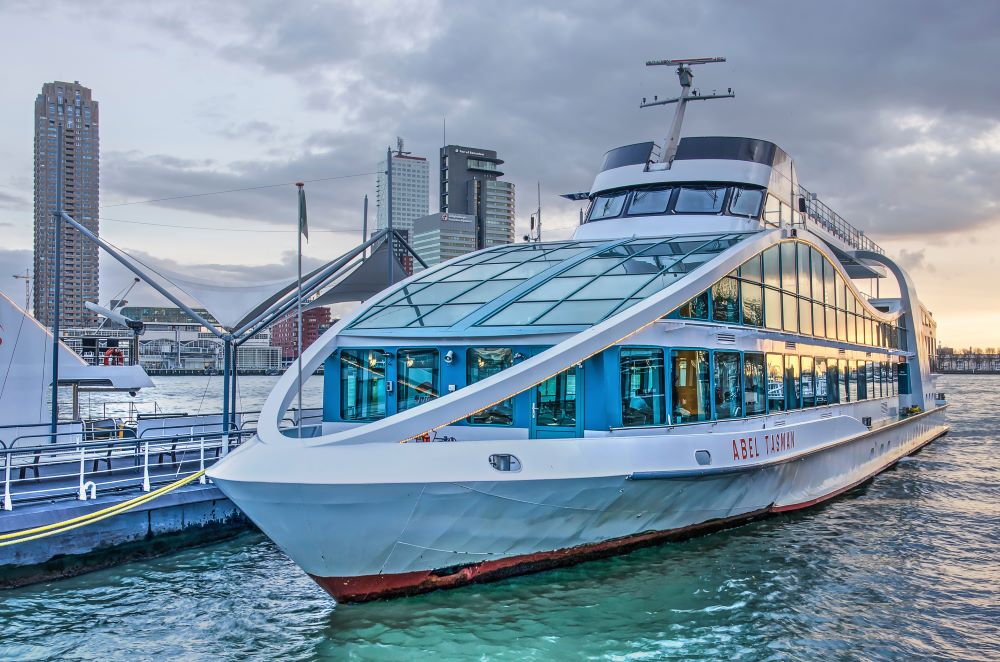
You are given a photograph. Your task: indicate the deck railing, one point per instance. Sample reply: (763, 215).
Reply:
(833, 223)
(88, 464)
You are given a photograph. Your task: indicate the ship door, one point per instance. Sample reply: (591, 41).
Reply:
(557, 406)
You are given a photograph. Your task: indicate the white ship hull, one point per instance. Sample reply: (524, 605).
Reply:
(365, 533)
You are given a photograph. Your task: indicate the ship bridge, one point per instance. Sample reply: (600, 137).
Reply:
(715, 184)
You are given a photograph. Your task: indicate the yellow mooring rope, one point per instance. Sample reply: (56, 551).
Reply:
(96, 516)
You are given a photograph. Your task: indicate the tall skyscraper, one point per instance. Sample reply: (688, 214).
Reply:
(69, 107)
(410, 190)
(470, 185)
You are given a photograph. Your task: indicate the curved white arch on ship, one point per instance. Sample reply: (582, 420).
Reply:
(459, 404)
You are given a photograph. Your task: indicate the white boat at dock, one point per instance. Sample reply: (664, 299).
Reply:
(698, 354)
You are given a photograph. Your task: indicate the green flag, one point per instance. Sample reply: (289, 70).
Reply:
(303, 224)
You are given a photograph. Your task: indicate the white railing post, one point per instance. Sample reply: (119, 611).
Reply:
(7, 505)
(83, 459)
(201, 460)
(145, 467)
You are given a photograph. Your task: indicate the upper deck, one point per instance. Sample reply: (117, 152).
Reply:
(714, 184)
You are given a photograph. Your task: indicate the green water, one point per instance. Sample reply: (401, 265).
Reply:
(907, 567)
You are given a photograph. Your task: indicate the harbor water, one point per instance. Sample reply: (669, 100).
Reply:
(905, 567)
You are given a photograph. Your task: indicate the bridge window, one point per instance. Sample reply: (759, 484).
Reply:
(642, 387)
(754, 384)
(691, 385)
(486, 362)
(650, 201)
(607, 206)
(728, 389)
(746, 202)
(700, 200)
(416, 377)
(362, 384)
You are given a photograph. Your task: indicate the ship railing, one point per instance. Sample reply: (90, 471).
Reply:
(834, 224)
(48, 466)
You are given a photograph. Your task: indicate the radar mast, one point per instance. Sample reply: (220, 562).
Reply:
(686, 77)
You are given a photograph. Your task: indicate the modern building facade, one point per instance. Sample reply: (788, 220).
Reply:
(441, 236)
(470, 184)
(285, 333)
(67, 176)
(410, 191)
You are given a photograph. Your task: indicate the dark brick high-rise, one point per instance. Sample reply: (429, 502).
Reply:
(71, 107)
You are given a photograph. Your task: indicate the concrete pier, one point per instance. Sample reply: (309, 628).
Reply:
(191, 515)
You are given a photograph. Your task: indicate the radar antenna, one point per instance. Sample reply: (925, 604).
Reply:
(686, 77)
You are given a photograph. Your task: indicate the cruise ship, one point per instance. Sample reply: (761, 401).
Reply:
(708, 348)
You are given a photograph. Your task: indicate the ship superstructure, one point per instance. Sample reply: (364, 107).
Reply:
(699, 353)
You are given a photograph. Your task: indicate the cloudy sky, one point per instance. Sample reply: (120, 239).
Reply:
(891, 111)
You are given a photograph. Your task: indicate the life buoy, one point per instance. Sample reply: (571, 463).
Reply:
(114, 356)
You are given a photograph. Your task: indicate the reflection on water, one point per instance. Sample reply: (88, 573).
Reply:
(906, 567)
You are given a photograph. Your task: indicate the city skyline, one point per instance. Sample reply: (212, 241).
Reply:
(857, 105)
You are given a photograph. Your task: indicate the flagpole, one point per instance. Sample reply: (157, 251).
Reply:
(298, 302)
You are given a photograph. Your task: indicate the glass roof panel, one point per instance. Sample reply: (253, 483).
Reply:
(555, 289)
(445, 315)
(608, 278)
(608, 287)
(484, 292)
(391, 316)
(518, 314)
(478, 272)
(578, 312)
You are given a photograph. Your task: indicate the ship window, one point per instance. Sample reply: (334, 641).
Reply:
(831, 323)
(805, 279)
(751, 270)
(607, 206)
(844, 381)
(700, 200)
(816, 275)
(416, 377)
(654, 201)
(790, 313)
(753, 304)
(362, 384)
(870, 393)
(746, 202)
(805, 317)
(788, 274)
(793, 389)
(819, 320)
(825, 376)
(772, 270)
(696, 308)
(642, 391)
(808, 389)
(775, 382)
(728, 388)
(754, 384)
(726, 300)
(486, 362)
(691, 387)
(772, 308)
